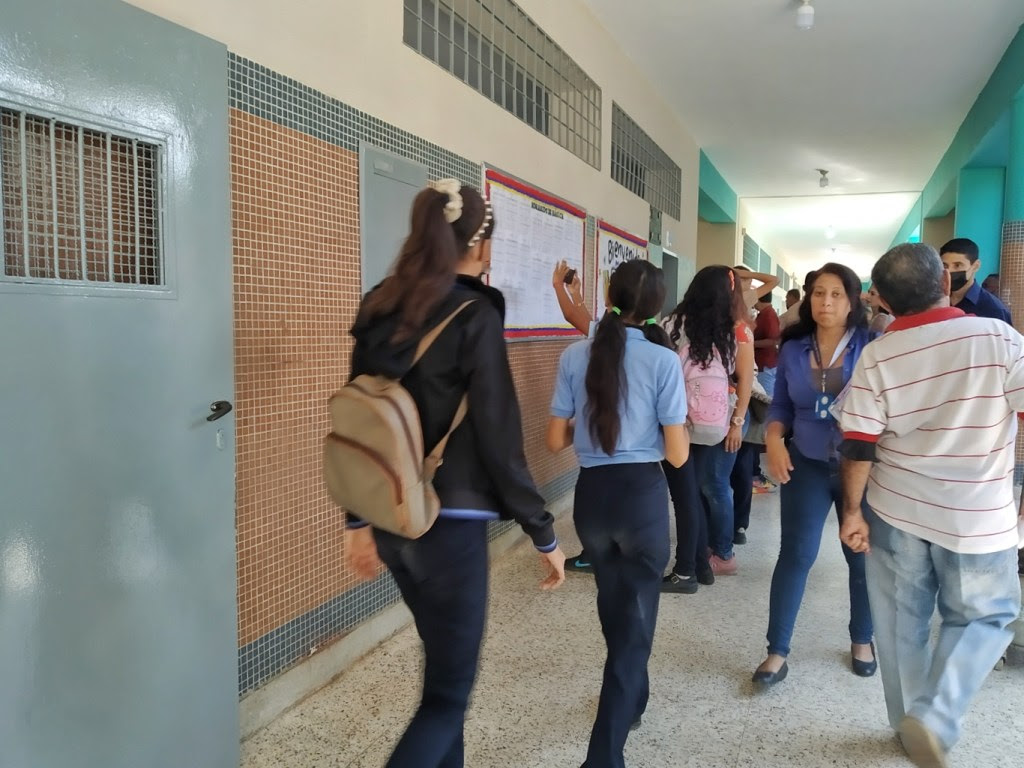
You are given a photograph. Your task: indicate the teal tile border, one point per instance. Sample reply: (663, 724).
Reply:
(267, 94)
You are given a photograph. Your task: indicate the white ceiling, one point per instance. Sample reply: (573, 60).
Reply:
(874, 93)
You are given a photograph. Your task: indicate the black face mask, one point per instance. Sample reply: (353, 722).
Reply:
(957, 280)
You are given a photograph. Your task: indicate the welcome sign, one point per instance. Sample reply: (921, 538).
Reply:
(615, 247)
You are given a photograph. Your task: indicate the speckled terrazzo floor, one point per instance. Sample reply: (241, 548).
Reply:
(702, 711)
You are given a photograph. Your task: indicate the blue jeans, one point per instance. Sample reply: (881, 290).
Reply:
(978, 597)
(766, 379)
(443, 579)
(621, 515)
(806, 500)
(713, 466)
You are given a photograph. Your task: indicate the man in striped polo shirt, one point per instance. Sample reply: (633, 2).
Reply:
(929, 426)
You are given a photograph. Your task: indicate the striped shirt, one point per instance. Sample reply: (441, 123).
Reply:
(938, 394)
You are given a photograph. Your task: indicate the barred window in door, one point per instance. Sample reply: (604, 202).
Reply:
(79, 205)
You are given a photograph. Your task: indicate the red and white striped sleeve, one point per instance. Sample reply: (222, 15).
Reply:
(1014, 386)
(864, 417)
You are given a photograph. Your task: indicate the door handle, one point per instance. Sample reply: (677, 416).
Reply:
(219, 408)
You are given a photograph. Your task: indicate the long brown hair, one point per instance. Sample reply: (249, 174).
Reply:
(636, 293)
(424, 271)
(708, 314)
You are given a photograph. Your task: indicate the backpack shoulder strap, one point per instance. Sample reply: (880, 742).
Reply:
(433, 459)
(431, 337)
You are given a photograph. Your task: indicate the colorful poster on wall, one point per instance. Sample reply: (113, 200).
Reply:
(614, 246)
(533, 231)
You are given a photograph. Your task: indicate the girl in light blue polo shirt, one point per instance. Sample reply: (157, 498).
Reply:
(625, 390)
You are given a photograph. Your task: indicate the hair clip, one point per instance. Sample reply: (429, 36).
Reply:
(452, 188)
(616, 310)
(651, 321)
(488, 218)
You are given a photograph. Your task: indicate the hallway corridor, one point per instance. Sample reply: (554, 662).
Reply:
(702, 711)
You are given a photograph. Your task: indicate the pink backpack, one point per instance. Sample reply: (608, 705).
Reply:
(709, 402)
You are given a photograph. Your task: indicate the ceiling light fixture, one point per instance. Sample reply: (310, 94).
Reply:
(830, 232)
(823, 181)
(805, 16)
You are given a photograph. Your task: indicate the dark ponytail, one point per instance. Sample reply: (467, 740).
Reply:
(636, 293)
(606, 381)
(424, 272)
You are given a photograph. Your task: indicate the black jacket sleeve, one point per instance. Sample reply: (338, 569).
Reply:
(497, 426)
(857, 450)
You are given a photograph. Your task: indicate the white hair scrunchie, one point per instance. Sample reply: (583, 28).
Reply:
(452, 188)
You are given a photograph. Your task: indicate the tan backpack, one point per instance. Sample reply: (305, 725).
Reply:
(374, 461)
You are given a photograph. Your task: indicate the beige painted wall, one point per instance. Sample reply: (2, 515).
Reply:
(744, 221)
(716, 244)
(354, 52)
(938, 231)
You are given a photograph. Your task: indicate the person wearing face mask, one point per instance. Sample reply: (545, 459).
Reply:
(960, 257)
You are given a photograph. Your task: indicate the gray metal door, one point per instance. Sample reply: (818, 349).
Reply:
(670, 266)
(388, 184)
(118, 639)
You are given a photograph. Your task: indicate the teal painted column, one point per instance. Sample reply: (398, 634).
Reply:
(979, 213)
(1014, 203)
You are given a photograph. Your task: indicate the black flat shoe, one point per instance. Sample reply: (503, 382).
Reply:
(683, 585)
(768, 679)
(865, 668)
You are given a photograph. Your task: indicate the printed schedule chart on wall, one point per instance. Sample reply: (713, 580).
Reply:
(533, 231)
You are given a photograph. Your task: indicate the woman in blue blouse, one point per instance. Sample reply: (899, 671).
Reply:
(816, 361)
(625, 390)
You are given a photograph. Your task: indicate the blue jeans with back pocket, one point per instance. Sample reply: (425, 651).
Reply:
(443, 579)
(978, 598)
(621, 515)
(713, 466)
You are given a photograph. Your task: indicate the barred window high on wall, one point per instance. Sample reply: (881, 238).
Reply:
(496, 49)
(78, 206)
(642, 167)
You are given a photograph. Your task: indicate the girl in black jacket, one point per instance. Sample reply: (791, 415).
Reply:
(443, 574)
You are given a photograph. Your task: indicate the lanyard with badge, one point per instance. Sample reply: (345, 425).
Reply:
(823, 402)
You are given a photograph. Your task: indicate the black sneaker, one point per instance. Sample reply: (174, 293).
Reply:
(580, 564)
(740, 537)
(685, 585)
(705, 575)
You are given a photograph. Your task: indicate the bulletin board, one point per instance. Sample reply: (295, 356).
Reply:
(534, 231)
(614, 247)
